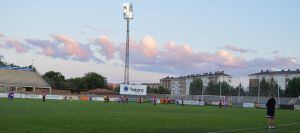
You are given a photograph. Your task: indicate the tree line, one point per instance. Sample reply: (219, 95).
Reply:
(213, 88)
(267, 87)
(89, 81)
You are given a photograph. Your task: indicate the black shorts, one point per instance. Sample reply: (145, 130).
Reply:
(270, 113)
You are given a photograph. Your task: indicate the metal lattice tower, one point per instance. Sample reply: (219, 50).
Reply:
(127, 10)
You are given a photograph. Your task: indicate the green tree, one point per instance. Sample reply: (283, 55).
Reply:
(55, 79)
(159, 90)
(75, 83)
(293, 88)
(94, 80)
(214, 88)
(196, 87)
(266, 87)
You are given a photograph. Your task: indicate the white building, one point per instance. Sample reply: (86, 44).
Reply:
(181, 86)
(281, 77)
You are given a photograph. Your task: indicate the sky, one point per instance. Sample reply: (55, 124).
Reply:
(167, 38)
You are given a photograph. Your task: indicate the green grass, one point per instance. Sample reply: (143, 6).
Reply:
(54, 116)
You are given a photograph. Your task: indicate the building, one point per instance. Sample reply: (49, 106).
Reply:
(22, 81)
(281, 77)
(180, 86)
(166, 82)
(152, 85)
(113, 86)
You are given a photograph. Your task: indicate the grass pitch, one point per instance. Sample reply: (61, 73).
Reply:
(57, 116)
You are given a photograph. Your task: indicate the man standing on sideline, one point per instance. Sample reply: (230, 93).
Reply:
(44, 96)
(271, 112)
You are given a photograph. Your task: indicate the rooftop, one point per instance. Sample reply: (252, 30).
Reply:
(217, 73)
(22, 78)
(297, 71)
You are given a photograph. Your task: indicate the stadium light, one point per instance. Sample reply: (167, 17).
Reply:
(128, 11)
(128, 14)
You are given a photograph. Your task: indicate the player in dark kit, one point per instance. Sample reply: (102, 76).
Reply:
(271, 112)
(44, 96)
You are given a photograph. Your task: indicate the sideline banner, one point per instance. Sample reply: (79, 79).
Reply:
(189, 102)
(33, 96)
(215, 103)
(248, 105)
(296, 107)
(128, 89)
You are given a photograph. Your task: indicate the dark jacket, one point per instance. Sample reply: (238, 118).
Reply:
(271, 103)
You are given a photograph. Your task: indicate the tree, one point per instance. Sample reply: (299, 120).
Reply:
(196, 87)
(267, 87)
(75, 83)
(214, 88)
(162, 90)
(94, 80)
(90, 80)
(55, 79)
(159, 90)
(293, 88)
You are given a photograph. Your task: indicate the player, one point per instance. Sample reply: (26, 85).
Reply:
(154, 100)
(11, 95)
(44, 96)
(168, 100)
(225, 103)
(220, 103)
(126, 99)
(271, 112)
(139, 100)
(90, 97)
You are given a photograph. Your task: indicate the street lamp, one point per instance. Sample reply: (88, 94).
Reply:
(220, 87)
(128, 14)
(239, 93)
(203, 90)
(278, 93)
(258, 90)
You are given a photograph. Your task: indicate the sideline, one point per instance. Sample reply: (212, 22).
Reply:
(245, 129)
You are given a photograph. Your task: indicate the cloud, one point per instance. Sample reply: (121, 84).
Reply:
(107, 47)
(146, 55)
(275, 52)
(1, 35)
(71, 47)
(148, 46)
(64, 47)
(49, 48)
(11, 43)
(237, 49)
(92, 28)
(224, 58)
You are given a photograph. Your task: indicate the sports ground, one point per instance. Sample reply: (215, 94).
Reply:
(58, 116)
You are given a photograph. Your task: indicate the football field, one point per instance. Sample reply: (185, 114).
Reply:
(58, 116)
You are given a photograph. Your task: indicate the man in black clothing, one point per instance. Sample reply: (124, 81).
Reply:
(271, 112)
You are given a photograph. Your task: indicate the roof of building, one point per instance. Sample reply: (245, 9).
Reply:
(276, 72)
(218, 73)
(22, 78)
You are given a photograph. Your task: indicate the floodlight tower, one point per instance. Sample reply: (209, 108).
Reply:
(128, 14)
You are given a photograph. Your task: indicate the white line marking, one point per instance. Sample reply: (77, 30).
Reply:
(245, 129)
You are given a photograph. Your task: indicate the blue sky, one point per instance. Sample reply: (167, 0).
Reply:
(240, 37)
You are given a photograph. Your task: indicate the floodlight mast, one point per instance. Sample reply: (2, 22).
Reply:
(128, 14)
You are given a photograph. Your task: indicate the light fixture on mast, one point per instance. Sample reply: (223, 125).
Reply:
(128, 14)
